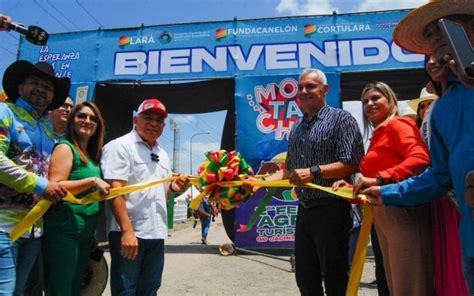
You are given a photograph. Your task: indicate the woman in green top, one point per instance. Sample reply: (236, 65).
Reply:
(69, 228)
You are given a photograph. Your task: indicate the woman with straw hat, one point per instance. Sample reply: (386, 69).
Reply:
(452, 137)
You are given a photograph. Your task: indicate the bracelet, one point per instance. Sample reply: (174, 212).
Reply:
(171, 187)
(380, 181)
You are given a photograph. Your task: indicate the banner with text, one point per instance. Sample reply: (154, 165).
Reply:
(267, 108)
(332, 43)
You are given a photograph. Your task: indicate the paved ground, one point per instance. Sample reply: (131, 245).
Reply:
(195, 269)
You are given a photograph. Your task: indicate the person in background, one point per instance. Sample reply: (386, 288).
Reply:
(324, 146)
(26, 144)
(451, 137)
(59, 117)
(69, 228)
(204, 213)
(137, 223)
(396, 152)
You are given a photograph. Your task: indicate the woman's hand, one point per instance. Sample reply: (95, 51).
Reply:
(362, 183)
(102, 186)
(340, 183)
(373, 193)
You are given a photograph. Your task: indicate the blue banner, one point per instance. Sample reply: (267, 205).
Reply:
(280, 46)
(266, 109)
(275, 227)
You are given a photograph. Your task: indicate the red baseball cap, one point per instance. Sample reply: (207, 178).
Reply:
(152, 105)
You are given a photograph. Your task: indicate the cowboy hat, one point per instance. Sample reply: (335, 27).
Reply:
(409, 32)
(17, 72)
(424, 96)
(95, 280)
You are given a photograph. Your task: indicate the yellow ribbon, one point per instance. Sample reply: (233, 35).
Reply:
(345, 192)
(360, 252)
(43, 205)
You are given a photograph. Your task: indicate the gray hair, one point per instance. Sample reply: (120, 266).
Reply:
(319, 73)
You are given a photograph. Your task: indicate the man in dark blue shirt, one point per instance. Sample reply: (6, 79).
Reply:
(325, 146)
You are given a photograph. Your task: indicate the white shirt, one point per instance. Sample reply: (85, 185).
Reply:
(128, 158)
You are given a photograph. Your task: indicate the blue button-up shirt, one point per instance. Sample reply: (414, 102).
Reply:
(452, 157)
(332, 135)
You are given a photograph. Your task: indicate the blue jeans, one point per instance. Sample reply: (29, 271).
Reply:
(205, 225)
(468, 268)
(16, 260)
(141, 276)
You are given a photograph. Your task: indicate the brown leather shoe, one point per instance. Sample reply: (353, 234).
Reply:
(469, 193)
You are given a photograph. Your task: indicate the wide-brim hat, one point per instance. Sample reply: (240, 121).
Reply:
(415, 102)
(409, 32)
(227, 249)
(96, 277)
(17, 72)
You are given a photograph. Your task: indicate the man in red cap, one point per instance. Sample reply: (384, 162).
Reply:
(137, 222)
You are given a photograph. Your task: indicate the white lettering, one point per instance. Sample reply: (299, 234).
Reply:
(281, 56)
(293, 110)
(201, 56)
(359, 48)
(267, 93)
(276, 105)
(261, 127)
(130, 63)
(405, 57)
(327, 58)
(175, 61)
(241, 62)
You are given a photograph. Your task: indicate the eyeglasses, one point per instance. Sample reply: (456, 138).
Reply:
(84, 116)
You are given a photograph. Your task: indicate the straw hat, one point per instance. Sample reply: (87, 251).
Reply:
(227, 249)
(95, 281)
(409, 32)
(424, 96)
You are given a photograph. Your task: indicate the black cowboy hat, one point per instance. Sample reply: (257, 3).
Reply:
(17, 72)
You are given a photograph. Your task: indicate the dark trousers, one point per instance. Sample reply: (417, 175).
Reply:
(322, 247)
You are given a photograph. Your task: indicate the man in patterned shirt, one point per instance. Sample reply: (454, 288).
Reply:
(26, 144)
(326, 145)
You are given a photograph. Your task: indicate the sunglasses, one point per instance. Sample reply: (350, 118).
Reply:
(83, 116)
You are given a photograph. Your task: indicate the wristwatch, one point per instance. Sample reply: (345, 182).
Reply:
(379, 180)
(316, 171)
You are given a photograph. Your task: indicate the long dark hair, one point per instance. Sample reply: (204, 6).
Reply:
(96, 142)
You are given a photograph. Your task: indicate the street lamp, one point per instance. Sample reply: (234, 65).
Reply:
(191, 150)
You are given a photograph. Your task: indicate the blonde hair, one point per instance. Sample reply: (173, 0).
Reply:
(387, 92)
